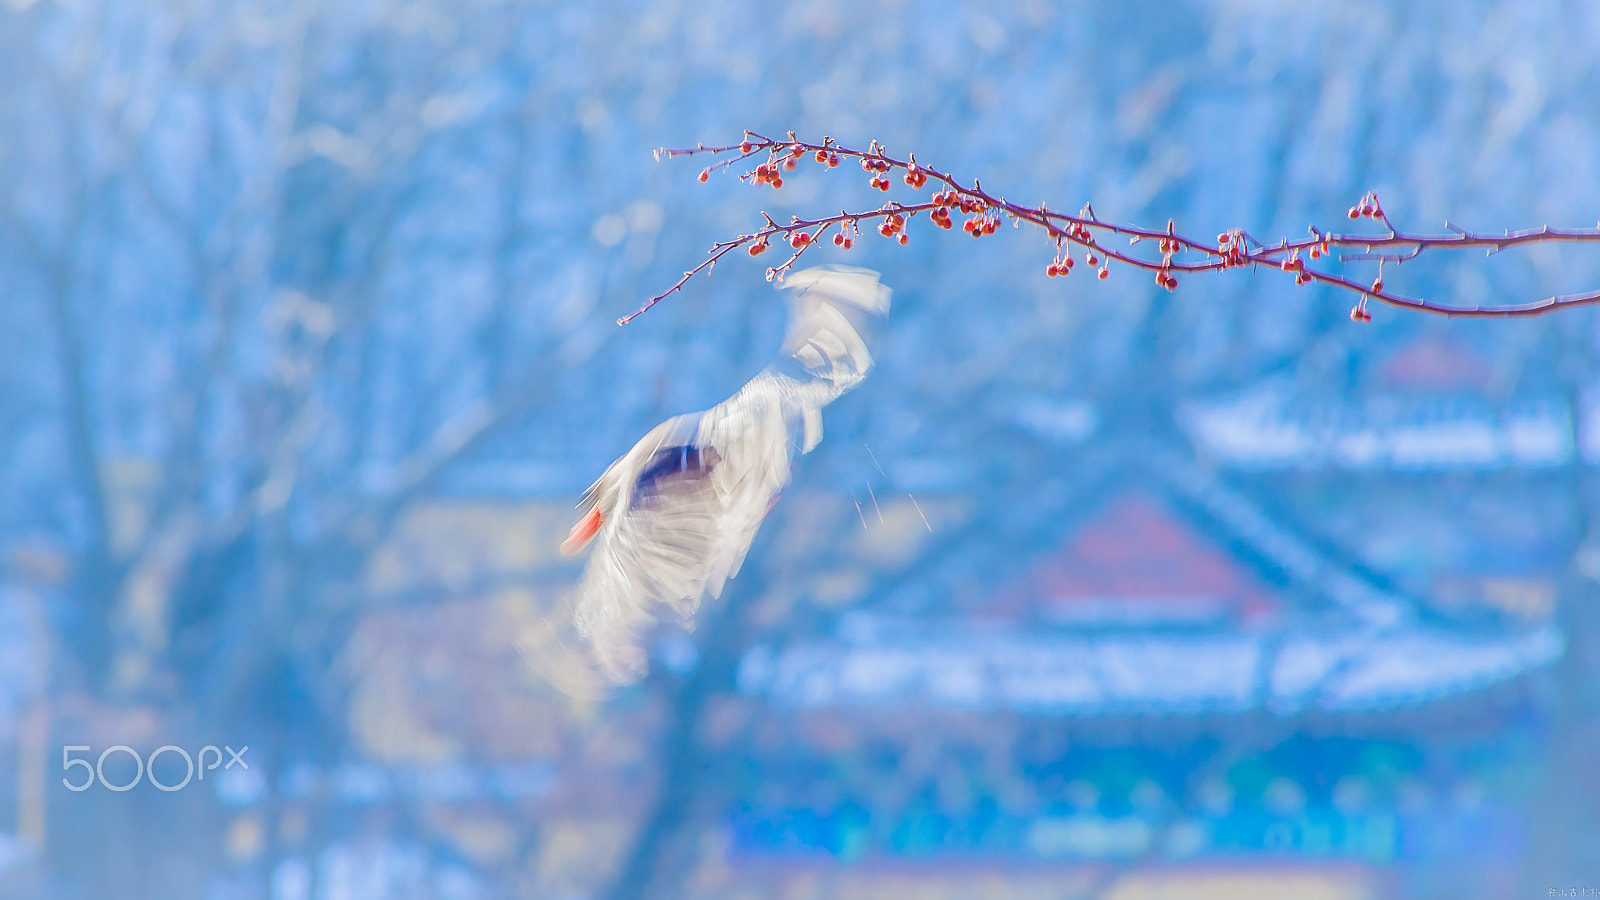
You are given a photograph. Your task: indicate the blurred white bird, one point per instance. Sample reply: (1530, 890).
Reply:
(672, 519)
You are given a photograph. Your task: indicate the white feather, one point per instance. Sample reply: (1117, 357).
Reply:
(676, 537)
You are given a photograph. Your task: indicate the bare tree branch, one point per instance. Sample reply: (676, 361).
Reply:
(1232, 249)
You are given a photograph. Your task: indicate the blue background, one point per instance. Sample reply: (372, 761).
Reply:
(308, 346)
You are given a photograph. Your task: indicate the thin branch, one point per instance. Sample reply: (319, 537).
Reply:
(1232, 249)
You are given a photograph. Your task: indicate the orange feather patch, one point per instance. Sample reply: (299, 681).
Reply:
(583, 532)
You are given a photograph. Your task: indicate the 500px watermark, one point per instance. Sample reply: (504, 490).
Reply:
(145, 766)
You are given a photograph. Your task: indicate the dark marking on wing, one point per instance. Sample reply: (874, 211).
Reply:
(668, 466)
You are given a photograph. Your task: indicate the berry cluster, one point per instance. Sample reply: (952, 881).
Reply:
(767, 173)
(894, 227)
(978, 226)
(1293, 264)
(1368, 208)
(985, 212)
(877, 167)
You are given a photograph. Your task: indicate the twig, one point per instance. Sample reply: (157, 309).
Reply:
(1232, 249)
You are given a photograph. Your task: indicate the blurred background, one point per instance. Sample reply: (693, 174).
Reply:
(308, 347)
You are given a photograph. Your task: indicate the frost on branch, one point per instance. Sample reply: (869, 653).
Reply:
(1309, 260)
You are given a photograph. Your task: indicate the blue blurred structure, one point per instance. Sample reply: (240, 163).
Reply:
(307, 347)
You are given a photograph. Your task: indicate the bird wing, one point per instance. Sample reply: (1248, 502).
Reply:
(681, 530)
(673, 518)
(652, 536)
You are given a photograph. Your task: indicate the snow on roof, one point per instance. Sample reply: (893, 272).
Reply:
(952, 665)
(1135, 564)
(1270, 427)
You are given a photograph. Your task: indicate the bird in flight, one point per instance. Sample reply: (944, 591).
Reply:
(672, 519)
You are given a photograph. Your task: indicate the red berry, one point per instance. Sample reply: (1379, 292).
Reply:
(1092, 260)
(848, 243)
(758, 248)
(820, 156)
(777, 182)
(904, 239)
(1316, 252)
(704, 174)
(1222, 238)
(1051, 270)
(838, 239)
(789, 164)
(746, 147)
(1355, 213)
(833, 160)
(799, 239)
(1377, 285)
(1104, 271)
